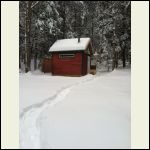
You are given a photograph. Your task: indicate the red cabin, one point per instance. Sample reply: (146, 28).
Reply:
(71, 57)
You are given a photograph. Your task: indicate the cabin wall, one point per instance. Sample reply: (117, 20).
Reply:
(84, 64)
(67, 66)
(86, 61)
(46, 65)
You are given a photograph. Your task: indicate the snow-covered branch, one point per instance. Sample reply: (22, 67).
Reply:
(35, 4)
(127, 5)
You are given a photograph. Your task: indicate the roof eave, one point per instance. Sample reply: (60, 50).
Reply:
(68, 50)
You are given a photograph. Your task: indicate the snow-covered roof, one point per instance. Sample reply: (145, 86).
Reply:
(70, 45)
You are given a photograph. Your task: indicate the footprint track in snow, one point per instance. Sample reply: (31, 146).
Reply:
(29, 128)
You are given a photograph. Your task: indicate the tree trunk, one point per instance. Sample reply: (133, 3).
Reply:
(113, 65)
(116, 60)
(123, 58)
(107, 63)
(27, 37)
(114, 52)
(26, 44)
(35, 61)
(124, 48)
(19, 63)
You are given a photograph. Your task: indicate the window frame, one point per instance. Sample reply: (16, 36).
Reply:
(66, 56)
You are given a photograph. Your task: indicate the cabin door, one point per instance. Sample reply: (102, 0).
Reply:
(88, 64)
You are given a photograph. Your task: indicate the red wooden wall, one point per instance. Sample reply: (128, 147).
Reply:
(46, 65)
(67, 66)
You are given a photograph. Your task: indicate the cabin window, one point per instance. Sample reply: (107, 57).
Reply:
(66, 56)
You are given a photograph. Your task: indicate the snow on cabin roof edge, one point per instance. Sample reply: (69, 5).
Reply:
(70, 45)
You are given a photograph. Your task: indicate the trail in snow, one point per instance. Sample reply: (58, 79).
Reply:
(29, 128)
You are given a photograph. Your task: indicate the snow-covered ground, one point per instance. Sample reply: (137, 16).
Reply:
(37, 86)
(75, 112)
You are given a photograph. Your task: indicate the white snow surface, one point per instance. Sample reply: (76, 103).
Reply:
(75, 112)
(70, 45)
